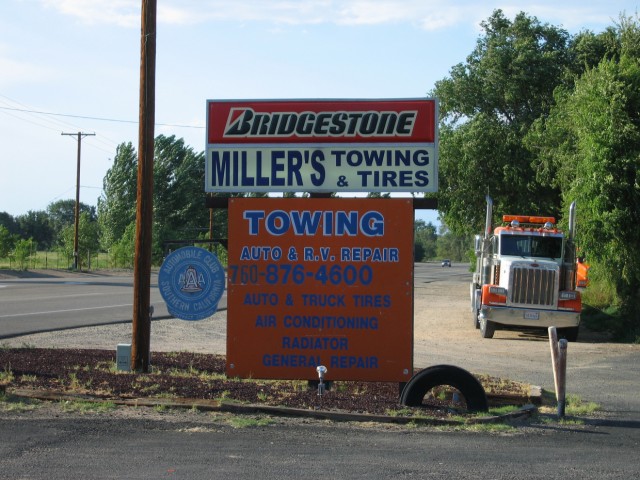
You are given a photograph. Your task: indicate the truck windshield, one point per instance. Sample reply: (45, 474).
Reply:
(531, 246)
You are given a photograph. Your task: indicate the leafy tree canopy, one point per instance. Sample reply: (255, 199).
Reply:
(487, 106)
(63, 212)
(35, 225)
(117, 204)
(178, 198)
(589, 148)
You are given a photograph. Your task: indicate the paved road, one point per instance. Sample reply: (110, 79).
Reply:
(425, 273)
(194, 446)
(34, 305)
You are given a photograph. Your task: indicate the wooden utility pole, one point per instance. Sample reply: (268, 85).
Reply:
(140, 348)
(76, 253)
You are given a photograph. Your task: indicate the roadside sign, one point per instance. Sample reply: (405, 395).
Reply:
(191, 282)
(320, 282)
(385, 145)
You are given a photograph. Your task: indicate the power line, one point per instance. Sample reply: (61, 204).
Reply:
(101, 119)
(48, 122)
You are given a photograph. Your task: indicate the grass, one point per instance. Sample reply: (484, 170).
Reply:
(58, 261)
(191, 372)
(602, 311)
(9, 403)
(6, 375)
(607, 319)
(402, 412)
(503, 410)
(611, 320)
(497, 385)
(224, 395)
(574, 405)
(242, 421)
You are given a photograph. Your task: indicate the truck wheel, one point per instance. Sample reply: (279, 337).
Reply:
(476, 321)
(487, 328)
(569, 333)
(423, 381)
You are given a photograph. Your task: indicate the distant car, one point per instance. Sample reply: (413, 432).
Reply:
(446, 262)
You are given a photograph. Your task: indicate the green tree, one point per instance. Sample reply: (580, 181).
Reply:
(62, 213)
(9, 223)
(23, 250)
(590, 148)
(424, 238)
(7, 241)
(87, 239)
(179, 202)
(35, 225)
(178, 195)
(122, 252)
(455, 247)
(117, 204)
(487, 105)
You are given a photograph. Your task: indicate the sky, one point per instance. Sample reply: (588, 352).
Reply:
(69, 66)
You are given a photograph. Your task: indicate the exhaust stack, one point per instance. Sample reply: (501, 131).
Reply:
(487, 228)
(570, 251)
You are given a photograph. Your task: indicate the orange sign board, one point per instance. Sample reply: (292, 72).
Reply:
(320, 282)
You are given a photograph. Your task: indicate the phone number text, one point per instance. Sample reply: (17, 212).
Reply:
(288, 274)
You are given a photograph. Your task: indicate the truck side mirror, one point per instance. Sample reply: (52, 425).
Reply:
(478, 245)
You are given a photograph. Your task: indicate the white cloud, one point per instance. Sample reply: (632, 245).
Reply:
(426, 14)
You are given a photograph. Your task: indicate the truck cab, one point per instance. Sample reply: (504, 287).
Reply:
(526, 276)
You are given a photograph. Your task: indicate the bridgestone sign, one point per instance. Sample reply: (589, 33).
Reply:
(321, 146)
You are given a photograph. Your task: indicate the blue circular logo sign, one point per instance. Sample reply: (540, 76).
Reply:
(191, 282)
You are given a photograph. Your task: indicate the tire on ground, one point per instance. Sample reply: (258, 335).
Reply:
(423, 381)
(487, 328)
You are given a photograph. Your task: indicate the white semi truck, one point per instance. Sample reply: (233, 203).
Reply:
(527, 276)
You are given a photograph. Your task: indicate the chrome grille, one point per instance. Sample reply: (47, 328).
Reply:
(533, 286)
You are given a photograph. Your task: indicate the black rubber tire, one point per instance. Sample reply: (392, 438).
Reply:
(487, 328)
(569, 333)
(423, 381)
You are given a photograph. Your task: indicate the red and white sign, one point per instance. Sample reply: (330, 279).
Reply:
(321, 145)
(321, 121)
